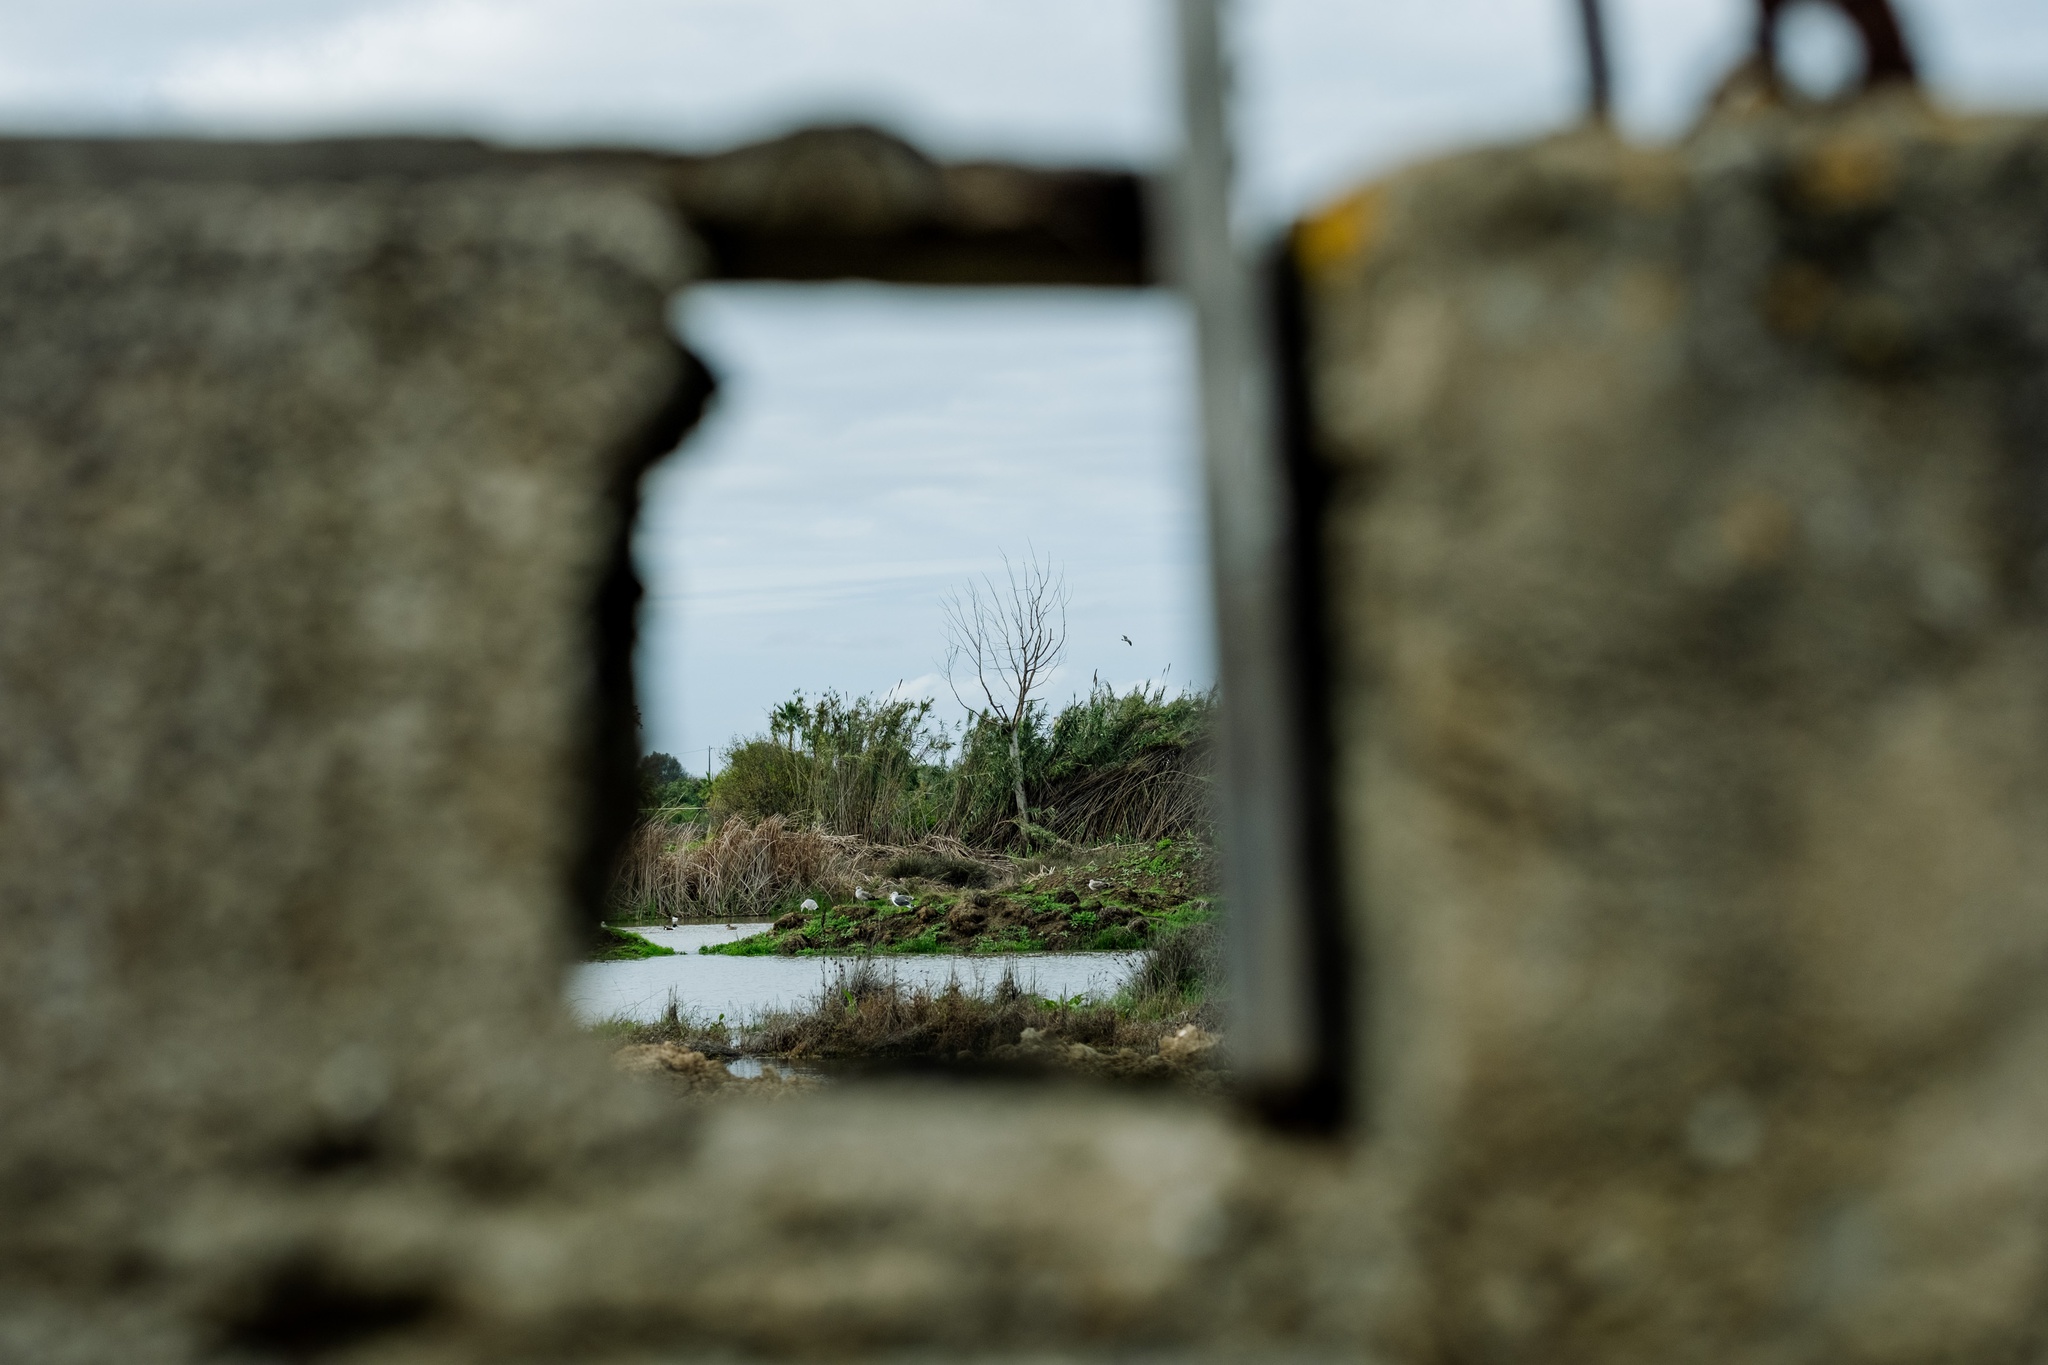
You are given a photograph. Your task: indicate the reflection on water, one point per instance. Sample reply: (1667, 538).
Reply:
(747, 1068)
(741, 987)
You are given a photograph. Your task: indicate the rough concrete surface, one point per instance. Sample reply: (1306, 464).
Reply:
(1684, 557)
(1687, 533)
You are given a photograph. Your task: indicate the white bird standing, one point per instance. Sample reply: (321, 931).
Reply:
(808, 905)
(1097, 884)
(897, 898)
(860, 893)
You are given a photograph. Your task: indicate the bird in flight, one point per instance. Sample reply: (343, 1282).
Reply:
(1125, 638)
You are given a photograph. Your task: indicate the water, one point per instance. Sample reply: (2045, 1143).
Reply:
(741, 987)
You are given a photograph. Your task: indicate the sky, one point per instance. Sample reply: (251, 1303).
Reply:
(874, 448)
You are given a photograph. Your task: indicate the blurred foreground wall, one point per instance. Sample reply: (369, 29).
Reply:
(1685, 558)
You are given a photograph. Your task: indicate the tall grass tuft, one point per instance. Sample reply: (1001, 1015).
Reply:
(740, 868)
(865, 1011)
(749, 868)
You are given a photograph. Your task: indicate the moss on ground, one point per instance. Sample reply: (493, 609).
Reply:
(1140, 892)
(618, 945)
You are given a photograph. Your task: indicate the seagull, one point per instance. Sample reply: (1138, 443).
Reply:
(860, 893)
(1126, 639)
(808, 905)
(897, 898)
(1097, 884)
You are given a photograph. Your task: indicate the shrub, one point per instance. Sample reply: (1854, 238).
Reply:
(1131, 765)
(867, 767)
(1178, 971)
(658, 770)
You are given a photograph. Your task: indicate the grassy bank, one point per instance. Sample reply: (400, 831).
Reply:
(839, 790)
(612, 944)
(1118, 897)
(1163, 1024)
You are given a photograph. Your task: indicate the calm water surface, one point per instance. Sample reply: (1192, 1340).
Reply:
(740, 987)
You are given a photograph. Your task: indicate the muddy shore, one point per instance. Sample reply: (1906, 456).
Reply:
(1117, 898)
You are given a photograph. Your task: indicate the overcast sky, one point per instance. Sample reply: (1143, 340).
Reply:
(871, 447)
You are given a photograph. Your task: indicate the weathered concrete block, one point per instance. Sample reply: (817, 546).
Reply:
(314, 626)
(312, 505)
(1687, 551)
(1686, 565)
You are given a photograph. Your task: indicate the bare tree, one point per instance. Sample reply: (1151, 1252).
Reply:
(1009, 637)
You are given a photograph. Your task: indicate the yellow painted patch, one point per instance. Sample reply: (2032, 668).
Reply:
(1338, 234)
(1850, 172)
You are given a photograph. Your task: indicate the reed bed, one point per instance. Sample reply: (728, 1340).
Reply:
(866, 1011)
(1161, 793)
(748, 868)
(743, 867)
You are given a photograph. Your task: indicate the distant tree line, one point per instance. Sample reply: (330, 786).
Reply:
(1130, 765)
(664, 784)
(1111, 765)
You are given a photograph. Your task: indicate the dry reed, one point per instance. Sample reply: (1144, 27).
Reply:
(741, 868)
(867, 1012)
(1162, 792)
(750, 868)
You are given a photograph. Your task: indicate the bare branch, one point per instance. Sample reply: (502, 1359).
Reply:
(1011, 638)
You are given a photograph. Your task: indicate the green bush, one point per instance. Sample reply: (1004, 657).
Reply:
(1109, 766)
(866, 767)
(1130, 765)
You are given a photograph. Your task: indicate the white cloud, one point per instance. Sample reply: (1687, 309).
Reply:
(1055, 78)
(1333, 89)
(381, 66)
(877, 447)
(868, 452)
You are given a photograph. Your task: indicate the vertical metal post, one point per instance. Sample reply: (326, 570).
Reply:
(1599, 71)
(1279, 1039)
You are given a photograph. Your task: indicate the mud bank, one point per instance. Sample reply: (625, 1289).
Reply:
(1118, 898)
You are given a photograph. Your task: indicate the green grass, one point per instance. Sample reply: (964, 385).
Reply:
(1145, 891)
(618, 945)
(753, 945)
(1014, 938)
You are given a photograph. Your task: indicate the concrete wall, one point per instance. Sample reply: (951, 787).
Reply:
(1685, 561)
(1692, 535)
